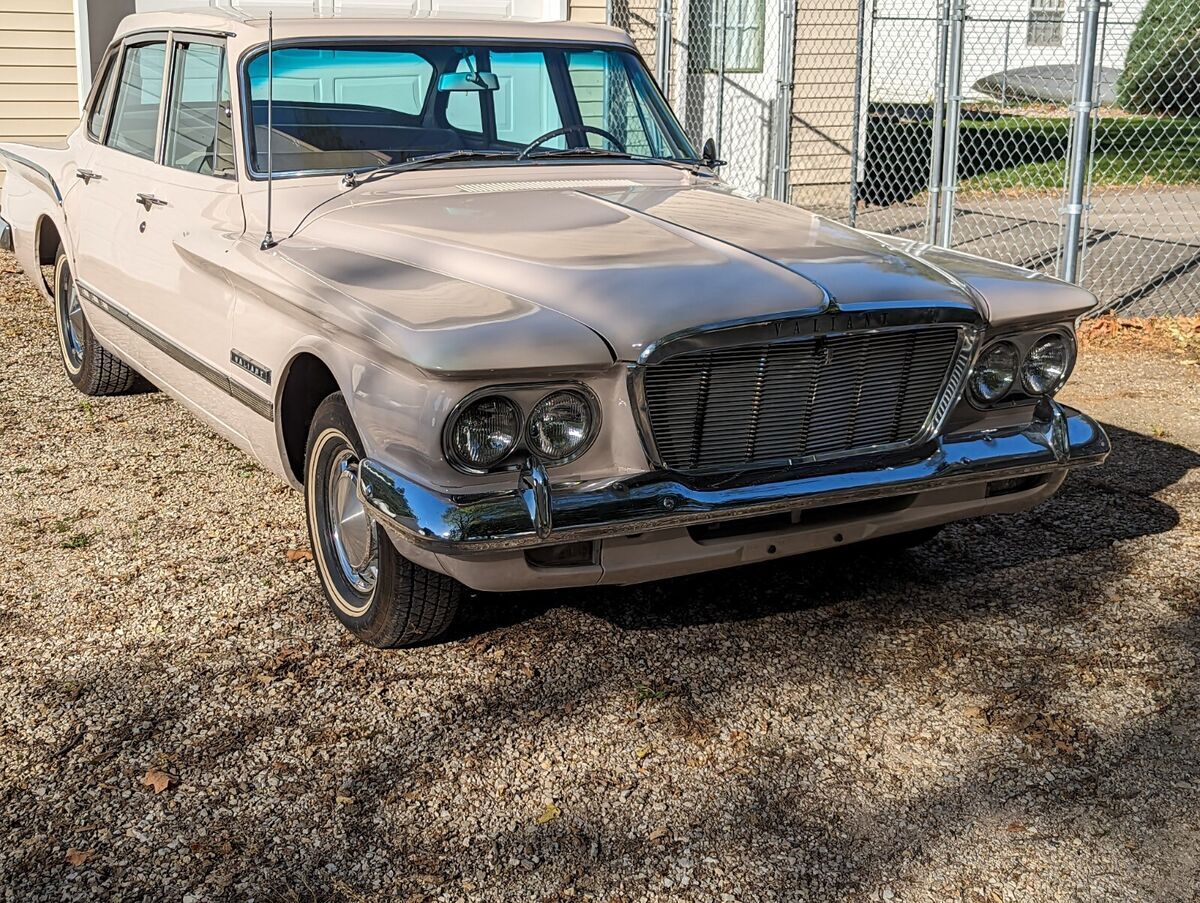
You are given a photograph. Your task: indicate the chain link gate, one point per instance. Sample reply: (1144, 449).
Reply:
(725, 66)
(1063, 139)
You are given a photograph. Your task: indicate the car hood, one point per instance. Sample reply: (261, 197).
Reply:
(633, 263)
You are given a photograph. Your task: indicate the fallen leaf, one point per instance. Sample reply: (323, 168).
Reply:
(78, 857)
(1016, 828)
(642, 751)
(549, 813)
(157, 779)
(657, 834)
(299, 555)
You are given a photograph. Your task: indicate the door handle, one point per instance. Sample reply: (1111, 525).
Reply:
(149, 200)
(87, 175)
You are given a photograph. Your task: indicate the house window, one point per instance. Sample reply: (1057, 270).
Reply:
(744, 21)
(1045, 23)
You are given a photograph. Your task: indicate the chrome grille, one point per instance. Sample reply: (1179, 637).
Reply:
(812, 398)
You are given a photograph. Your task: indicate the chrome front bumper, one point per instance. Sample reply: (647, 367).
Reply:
(537, 513)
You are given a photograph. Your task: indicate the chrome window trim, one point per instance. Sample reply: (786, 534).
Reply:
(967, 322)
(243, 85)
(148, 37)
(109, 66)
(189, 37)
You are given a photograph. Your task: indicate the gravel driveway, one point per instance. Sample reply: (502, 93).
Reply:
(1008, 713)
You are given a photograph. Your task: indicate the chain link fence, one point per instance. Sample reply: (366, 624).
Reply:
(958, 121)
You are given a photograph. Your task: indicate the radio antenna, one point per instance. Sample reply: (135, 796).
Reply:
(269, 240)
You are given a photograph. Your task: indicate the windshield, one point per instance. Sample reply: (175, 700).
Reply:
(343, 107)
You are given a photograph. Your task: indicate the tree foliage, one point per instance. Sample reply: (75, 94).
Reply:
(1162, 67)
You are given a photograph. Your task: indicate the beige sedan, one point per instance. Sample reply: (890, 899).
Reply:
(470, 288)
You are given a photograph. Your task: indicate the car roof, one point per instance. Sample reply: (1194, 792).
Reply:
(249, 27)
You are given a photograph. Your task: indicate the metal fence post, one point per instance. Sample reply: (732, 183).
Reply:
(723, 25)
(662, 63)
(1079, 154)
(856, 129)
(783, 98)
(958, 13)
(938, 124)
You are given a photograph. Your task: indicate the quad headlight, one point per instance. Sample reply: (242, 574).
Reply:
(995, 372)
(491, 431)
(560, 425)
(1046, 365)
(1022, 366)
(484, 432)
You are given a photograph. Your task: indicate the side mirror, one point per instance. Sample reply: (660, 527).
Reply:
(708, 156)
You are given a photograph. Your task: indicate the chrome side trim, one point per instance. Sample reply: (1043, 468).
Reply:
(259, 405)
(40, 170)
(1058, 438)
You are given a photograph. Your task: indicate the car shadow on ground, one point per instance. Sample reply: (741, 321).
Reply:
(1095, 508)
(775, 827)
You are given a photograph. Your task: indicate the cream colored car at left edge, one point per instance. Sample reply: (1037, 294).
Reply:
(468, 286)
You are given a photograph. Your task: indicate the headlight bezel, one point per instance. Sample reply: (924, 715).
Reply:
(525, 398)
(989, 349)
(1068, 363)
(449, 427)
(593, 414)
(1024, 340)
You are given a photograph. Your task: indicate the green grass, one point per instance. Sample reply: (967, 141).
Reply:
(1143, 151)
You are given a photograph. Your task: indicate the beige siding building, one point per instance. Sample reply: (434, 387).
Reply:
(43, 49)
(39, 93)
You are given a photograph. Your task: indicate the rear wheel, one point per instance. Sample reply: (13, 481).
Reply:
(90, 367)
(383, 598)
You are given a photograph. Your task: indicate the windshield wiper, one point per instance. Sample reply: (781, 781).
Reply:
(353, 179)
(688, 165)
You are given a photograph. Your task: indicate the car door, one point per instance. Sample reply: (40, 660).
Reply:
(163, 203)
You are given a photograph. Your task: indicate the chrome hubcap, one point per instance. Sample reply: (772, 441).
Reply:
(71, 314)
(351, 532)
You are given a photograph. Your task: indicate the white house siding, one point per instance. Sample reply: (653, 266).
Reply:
(39, 98)
(904, 41)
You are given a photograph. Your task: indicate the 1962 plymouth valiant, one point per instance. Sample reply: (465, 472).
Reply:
(469, 287)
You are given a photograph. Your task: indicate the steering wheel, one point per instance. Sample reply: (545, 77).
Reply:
(542, 139)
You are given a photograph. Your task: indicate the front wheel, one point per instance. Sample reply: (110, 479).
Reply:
(383, 598)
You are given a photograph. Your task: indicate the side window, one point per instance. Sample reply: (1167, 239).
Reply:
(102, 97)
(135, 108)
(199, 129)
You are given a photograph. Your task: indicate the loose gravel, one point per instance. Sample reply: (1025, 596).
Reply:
(1007, 713)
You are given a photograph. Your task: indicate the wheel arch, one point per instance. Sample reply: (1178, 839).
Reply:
(47, 241)
(306, 380)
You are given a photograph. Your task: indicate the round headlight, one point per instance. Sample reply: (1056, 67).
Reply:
(995, 372)
(1046, 365)
(484, 432)
(560, 425)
